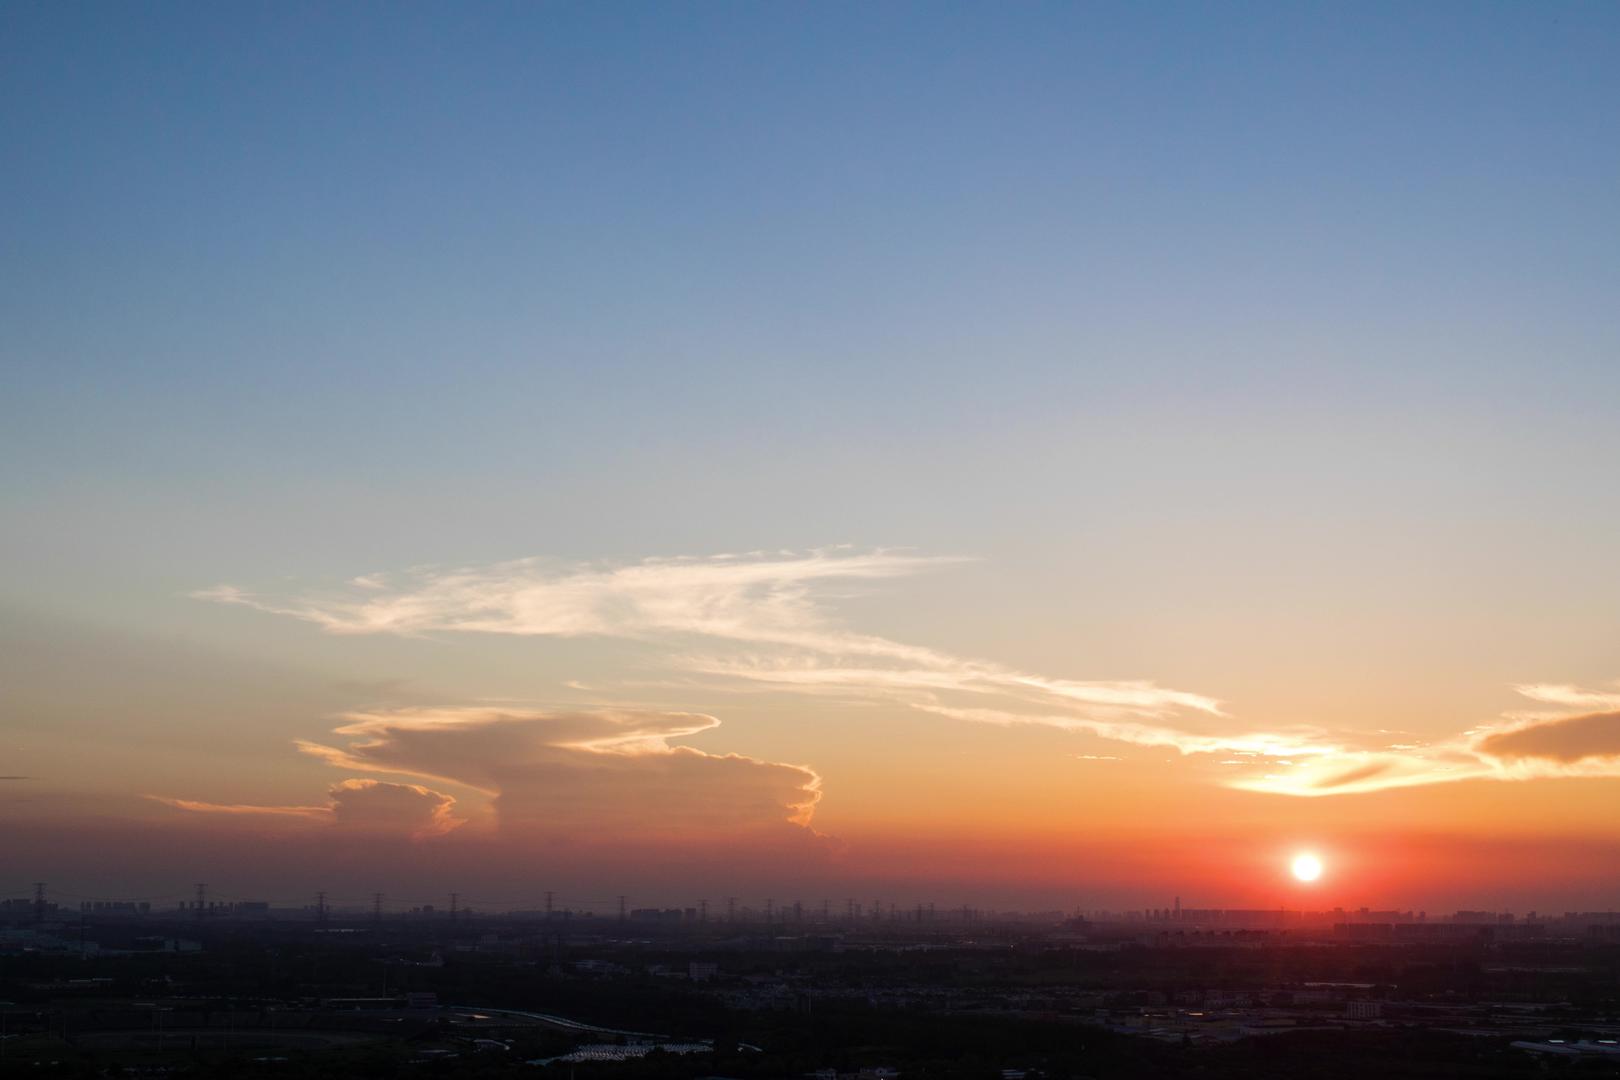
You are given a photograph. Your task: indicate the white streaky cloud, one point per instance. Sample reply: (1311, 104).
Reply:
(755, 599)
(1262, 745)
(945, 673)
(1571, 697)
(1582, 741)
(197, 806)
(1129, 695)
(1362, 772)
(768, 608)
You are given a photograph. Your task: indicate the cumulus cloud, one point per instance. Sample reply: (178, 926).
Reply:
(357, 804)
(375, 805)
(600, 774)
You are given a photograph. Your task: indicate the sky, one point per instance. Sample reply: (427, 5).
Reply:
(1037, 456)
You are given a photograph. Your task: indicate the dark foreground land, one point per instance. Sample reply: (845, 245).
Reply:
(607, 1001)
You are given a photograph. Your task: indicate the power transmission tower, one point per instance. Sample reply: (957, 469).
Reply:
(376, 907)
(548, 904)
(320, 908)
(770, 905)
(703, 911)
(453, 898)
(731, 909)
(202, 897)
(621, 909)
(39, 901)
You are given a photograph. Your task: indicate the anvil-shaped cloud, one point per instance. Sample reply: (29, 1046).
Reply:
(585, 776)
(361, 805)
(603, 773)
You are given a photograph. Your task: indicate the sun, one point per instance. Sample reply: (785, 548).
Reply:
(1307, 867)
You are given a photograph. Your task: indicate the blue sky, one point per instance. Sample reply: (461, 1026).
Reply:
(334, 287)
(1267, 350)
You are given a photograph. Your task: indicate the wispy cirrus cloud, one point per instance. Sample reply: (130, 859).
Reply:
(1138, 734)
(770, 610)
(757, 598)
(1540, 746)
(1572, 697)
(766, 622)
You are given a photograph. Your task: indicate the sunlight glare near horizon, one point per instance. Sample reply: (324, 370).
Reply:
(1306, 867)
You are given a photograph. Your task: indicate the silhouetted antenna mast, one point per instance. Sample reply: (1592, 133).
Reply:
(320, 907)
(202, 898)
(39, 901)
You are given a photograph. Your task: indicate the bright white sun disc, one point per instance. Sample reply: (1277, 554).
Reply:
(1307, 867)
